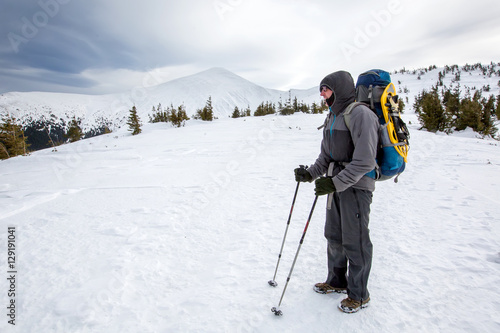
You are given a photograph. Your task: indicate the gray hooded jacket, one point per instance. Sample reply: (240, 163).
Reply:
(347, 155)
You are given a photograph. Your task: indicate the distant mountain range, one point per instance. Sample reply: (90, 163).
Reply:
(225, 88)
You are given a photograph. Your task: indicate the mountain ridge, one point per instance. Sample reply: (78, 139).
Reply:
(226, 89)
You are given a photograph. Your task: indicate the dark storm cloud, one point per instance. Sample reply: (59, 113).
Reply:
(73, 36)
(57, 44)
(62, 38)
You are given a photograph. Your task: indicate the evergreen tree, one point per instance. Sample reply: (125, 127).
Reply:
(134, 122)
(54, 145)
(323, 106)
(182, 114)
(4, 152)
(497, 109)
(475, 112)
(429, 111)
(451, 101)
(304, 108)
(248, 111)
(74, 131)
(271, 108)
(12, 139)
(295, 106)
(487, 116)
(208, 110)
(265, 108)
(401, 105)
(178, 117)
(159, 115)
(207, 113)
(287, 109)
(440, 79)
(280, 105)
(315, 109)
(470, 113)
(236, 113)
(260, 111)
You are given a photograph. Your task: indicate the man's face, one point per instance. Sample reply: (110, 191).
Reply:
(325, 92)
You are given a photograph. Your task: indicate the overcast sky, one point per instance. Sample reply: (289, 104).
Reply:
(105, 46)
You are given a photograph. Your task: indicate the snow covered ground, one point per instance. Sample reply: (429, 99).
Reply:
(179, 229)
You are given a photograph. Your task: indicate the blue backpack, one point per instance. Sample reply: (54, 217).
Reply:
(375, 89)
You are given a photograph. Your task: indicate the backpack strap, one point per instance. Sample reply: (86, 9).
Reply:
(326, 120)
(375, 173)
(347, 113)
(324, 124)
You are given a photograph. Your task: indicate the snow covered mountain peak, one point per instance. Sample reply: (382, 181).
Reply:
(226, 89)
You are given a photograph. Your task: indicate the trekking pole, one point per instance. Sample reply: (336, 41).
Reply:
(273, 282)
(276, 310)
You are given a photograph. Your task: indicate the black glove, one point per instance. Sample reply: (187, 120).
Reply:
(324, 185)
(302, 175)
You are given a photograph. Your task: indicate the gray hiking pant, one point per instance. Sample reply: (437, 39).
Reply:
(349, 246)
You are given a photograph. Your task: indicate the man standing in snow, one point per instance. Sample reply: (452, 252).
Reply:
(347, 155)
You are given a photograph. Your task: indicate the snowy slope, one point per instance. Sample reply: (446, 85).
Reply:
(178, 230)
(473, 80)
(412, 82)
(44, 105)
(226, 89)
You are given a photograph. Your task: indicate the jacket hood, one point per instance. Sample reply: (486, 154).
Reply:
(344, 92)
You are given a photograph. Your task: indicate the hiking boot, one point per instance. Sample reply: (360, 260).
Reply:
(325, 288)
(350, 305)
